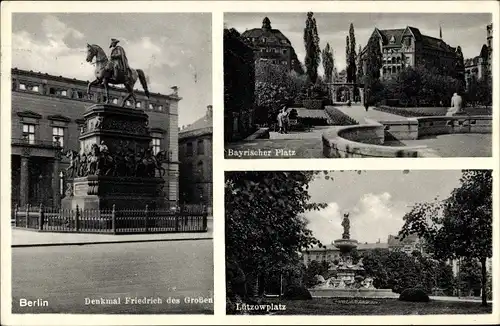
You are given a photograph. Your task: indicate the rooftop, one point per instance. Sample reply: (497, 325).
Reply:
(38, 74)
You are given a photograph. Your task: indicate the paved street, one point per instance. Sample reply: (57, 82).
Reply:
(66, 275)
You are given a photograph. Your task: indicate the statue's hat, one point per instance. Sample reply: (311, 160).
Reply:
(113, 41)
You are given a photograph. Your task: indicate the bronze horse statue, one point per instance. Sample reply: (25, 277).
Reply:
(105, 76)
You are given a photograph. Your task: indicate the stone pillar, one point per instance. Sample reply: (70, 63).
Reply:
(56, 194)
(24, 182)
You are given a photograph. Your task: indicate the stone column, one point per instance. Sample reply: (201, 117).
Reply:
(55, 182)
(24, 185)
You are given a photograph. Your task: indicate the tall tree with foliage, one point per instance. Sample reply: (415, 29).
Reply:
(313, 51)
(461, 225)
(265, 228)
(347, 51)
(328, 62)
(359, 66)
(275, 87)
(372, 85)
(351, 60)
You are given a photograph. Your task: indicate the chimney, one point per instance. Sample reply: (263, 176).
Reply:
(209, 111)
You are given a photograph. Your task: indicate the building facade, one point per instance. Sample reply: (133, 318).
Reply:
(239, 87)
(195, 156)
(271, 46)
(46, 119)
(331, 253)
(480, 66)
(407, 47)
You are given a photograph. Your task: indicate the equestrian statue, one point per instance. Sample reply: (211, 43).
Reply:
(115, 71)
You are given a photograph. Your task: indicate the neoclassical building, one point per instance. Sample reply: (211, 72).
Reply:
(480, 66)
(394, 243)
(46, 118)
(272, 46)
(195, 156)
(407, 47)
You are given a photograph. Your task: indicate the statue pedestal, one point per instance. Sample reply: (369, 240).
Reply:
(102, 192)
(119, 128)
(120, 169)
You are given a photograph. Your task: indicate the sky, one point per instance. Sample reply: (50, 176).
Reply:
(171, 48)
(375, 200)
(466, 30)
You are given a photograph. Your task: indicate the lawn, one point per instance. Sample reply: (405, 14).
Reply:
(431, 111)
(334, 306)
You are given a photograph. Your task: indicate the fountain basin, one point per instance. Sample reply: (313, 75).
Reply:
(345, 244)
(353, 293)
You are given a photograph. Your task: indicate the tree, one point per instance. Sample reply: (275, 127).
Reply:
(351, 56)
(359, 70)
(328, 62)
(265, 229)
(313, 51)
(275, 87)
(372, 85)
(461, 225)
(469, 277)
(347, 50)
(315, 268)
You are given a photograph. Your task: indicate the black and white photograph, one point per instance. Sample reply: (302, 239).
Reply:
(111, 163)
(357, 242)
(355, 85)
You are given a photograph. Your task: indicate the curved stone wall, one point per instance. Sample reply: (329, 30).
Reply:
(367, 140)
(430, 126)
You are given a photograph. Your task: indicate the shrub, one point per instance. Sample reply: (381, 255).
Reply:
(297, 292)
(414, 295)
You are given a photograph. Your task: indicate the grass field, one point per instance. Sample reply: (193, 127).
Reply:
(431, 111)
(331, 306)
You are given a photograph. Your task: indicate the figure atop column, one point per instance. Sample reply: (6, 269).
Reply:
(346, 225)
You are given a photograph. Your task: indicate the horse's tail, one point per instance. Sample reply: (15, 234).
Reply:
(144, 83)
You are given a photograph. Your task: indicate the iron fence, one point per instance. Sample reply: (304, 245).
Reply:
(111, 221)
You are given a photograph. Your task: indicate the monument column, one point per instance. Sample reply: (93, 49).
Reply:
(24, 186)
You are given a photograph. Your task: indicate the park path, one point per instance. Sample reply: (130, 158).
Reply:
(358, 113)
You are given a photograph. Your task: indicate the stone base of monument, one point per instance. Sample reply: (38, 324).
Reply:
(353, 293)
(102, 192)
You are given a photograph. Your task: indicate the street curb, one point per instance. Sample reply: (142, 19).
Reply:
(101, 242)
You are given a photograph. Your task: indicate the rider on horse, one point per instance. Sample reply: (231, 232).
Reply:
(119, 62)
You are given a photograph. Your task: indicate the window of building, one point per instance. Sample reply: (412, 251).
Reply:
(151, 106)
(34, 88)
(52, 91)
(127, 103)
(29, 133)
(58, 135)
(201, 148)
(189, 149)
(284, 51)
(79, 94)
(138, 104)
(22, 87)
(64, 92)
(156, 142)
(160, 107)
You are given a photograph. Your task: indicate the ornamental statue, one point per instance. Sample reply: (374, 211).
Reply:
(115, 71)
(346, 225)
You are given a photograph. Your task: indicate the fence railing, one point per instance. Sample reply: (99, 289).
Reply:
(112, 221)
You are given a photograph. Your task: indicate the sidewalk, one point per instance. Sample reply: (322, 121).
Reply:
(27, 238)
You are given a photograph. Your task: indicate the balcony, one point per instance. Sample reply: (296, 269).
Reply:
(25, 142)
